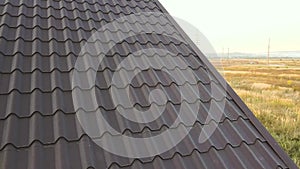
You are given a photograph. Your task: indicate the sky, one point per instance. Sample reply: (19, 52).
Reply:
(240, 25)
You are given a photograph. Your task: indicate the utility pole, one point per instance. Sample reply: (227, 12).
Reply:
(269, 51)
(223, 54)
(228, 53)
(228, 56)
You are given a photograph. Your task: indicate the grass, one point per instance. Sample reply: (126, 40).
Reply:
(272, 92)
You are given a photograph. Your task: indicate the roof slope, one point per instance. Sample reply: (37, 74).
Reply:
(39, 44)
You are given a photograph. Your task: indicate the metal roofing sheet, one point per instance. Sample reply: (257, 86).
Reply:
(40, 42)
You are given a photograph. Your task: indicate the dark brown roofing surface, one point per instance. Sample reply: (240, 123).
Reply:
(39, 43)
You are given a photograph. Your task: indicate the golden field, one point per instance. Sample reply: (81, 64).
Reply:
(272, 91)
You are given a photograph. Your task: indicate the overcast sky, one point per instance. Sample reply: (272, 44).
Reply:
(243, 26)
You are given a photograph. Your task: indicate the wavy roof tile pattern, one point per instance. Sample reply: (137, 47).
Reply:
(40, 42)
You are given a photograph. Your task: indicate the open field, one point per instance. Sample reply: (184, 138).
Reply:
(272, 92)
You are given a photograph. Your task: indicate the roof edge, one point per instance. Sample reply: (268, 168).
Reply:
(257, 124)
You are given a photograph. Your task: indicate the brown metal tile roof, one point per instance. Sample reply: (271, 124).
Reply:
(40, 42)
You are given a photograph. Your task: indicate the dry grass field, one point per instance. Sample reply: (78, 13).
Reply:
(272, 92)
